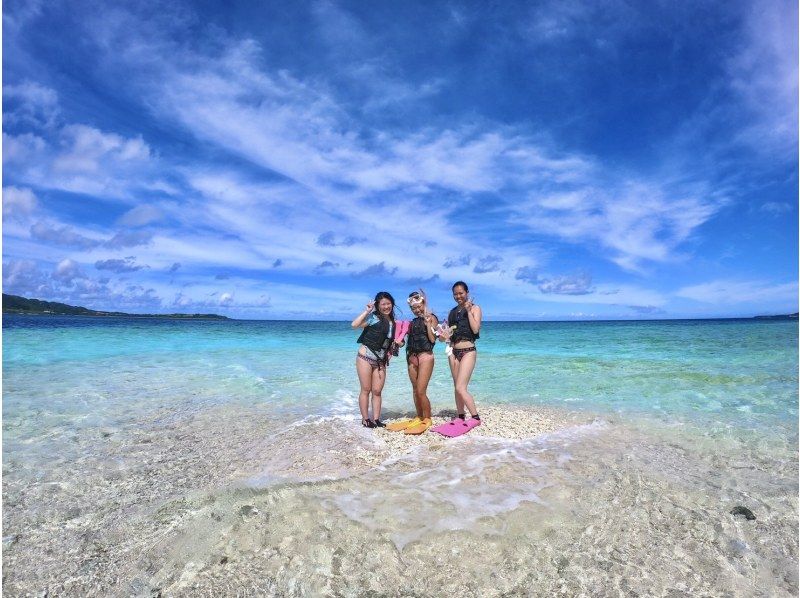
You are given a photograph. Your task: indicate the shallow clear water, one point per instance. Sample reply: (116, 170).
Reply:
(188, 428)
(734, 371)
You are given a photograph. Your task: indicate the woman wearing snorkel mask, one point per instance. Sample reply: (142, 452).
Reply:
(378, 324)
(464, 322)
(419, 358)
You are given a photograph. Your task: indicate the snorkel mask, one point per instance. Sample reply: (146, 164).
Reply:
(415, 299)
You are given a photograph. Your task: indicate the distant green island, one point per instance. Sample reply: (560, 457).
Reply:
(13, 304)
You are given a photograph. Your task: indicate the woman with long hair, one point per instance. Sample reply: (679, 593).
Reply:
(377, 322)
(419, 358)
(464, 322)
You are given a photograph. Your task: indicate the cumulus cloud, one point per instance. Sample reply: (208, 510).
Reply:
(67, 271)
(375, 271)
(18, 204)
(67, 283)
(88, 148)
(325, 266)
(490, 263)
(328, 239)
(23, 277)
(80, 159)
(527, 274)
(452, 262)
(226, 299)
(577, 284)
(119, 266)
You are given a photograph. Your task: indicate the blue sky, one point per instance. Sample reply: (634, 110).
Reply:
(288, 160)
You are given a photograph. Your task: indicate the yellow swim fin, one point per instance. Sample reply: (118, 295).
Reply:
(421, 427)
(403, 424)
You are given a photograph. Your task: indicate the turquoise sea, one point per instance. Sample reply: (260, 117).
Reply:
(716, 372)
(96, 411)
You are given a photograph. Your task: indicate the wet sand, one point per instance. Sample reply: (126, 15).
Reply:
(534, 501)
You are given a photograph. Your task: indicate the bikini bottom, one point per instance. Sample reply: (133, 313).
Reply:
(459, 353)
(375, 363)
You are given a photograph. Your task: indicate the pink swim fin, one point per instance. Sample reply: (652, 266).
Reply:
(401, 330)
(457, 427)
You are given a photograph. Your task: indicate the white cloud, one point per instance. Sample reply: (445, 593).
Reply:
(765, 75)
(67, 271)
(299, 129)
(62, 235)
(89, 148)
(119, 266)
(637, 221)
(29, 104)
(18, 203)
(67, 236)
(23, 150)
(337, 177)
(81, 159)
(68, 283)
(302, 133)
(24, 277)
(259, 299)
(577, 284)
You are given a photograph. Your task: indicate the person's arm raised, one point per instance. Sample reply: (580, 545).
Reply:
(361, 320)
(475, 315)
(431, 322)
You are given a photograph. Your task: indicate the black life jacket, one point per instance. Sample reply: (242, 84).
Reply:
(376, 336)
(458, 317)
(418, 341)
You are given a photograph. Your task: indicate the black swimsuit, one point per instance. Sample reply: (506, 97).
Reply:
(458, 316)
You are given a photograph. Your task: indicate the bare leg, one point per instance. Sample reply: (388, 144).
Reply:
(463, 376)
(378, 380)
(424, 373)
(364, 371)
(413, 375)
(454, 368)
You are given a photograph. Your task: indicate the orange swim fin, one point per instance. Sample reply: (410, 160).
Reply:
(421, 427)
(403, 424)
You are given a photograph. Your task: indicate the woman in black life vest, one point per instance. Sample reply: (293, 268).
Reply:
(419, 357)
(377, 321)
(466, 318)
